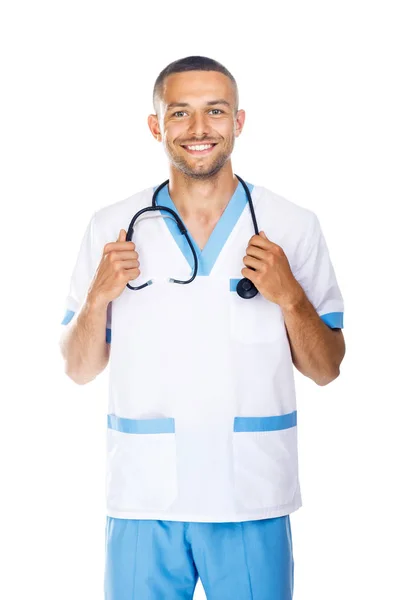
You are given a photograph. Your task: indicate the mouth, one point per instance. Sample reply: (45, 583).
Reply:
(199, 149)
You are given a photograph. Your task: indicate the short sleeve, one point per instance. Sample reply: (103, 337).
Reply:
(317, 277)
(86, 263)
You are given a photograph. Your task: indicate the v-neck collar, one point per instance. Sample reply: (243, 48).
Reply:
(219, 235)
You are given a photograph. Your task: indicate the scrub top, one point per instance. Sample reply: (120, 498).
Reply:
(202, 418)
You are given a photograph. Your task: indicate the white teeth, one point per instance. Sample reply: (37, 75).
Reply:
(202, 147)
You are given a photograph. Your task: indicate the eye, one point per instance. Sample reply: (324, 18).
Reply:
(178, 112)
(221, 111)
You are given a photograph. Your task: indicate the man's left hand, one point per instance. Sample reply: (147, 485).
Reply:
(272, 275)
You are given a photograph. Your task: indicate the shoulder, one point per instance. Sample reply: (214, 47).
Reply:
(286, 223)
(281, 212)
(110, 219)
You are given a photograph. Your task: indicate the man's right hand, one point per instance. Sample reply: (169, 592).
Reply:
(118, 265)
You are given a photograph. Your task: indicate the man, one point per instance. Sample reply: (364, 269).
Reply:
(202, 424)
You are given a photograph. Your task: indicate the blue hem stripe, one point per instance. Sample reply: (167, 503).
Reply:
(273, 423)
(333, 319)
(166, 425)
(222, 230)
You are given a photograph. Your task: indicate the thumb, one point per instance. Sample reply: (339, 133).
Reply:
(263, 234)
(122, 236)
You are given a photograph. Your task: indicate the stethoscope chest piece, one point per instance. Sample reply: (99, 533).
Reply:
(246, 289)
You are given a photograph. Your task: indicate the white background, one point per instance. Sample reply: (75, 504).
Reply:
(320, 85)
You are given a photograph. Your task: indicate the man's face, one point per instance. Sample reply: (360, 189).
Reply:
(197, 108)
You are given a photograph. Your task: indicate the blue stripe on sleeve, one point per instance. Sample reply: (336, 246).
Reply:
(333, 319)
(67, 317)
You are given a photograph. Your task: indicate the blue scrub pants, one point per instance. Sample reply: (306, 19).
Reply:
(162, 560)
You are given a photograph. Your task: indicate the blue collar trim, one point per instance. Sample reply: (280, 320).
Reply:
(222, 230)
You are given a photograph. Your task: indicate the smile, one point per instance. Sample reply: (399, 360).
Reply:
(199, 149)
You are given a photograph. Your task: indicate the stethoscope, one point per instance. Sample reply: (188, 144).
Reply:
(245, 288)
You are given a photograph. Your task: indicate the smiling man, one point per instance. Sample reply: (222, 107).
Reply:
(213, 289)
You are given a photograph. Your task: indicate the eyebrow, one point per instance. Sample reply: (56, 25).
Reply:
(210, 103)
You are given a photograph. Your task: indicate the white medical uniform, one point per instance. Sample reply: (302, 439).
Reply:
(202, 418)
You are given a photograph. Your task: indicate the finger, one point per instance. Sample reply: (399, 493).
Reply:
(249, 273)
(127, 264)
(261, 242)
(260, 253)
(131, 274)
(125, 255)
(255, 263)
(118, 246)
(122, 238)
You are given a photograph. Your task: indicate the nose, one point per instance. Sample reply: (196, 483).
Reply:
(199, 125)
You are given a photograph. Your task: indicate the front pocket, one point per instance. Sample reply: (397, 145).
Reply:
(254, 320)
(141, 463)
(265, 460)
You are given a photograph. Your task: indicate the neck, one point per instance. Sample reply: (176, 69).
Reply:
(202, 199)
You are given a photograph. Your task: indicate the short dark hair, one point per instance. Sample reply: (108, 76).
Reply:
(192, 63)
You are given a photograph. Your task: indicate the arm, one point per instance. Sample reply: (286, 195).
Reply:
(306, 300)
(317, 350)
(83, 344)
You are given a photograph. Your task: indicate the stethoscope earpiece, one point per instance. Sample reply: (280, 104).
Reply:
(246, 288)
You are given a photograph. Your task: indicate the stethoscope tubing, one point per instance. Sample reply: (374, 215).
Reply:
(248, 285)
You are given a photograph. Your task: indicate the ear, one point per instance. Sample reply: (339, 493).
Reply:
(154, 127)
(240, 117)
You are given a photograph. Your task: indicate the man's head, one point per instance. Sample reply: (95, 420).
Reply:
(196, 102)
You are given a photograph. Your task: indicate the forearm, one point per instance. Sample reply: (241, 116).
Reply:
(83, 344)
(317, 350)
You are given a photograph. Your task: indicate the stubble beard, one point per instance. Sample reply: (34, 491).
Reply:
(182, 165)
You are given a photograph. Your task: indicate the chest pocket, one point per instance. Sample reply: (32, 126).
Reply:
(254, 320)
